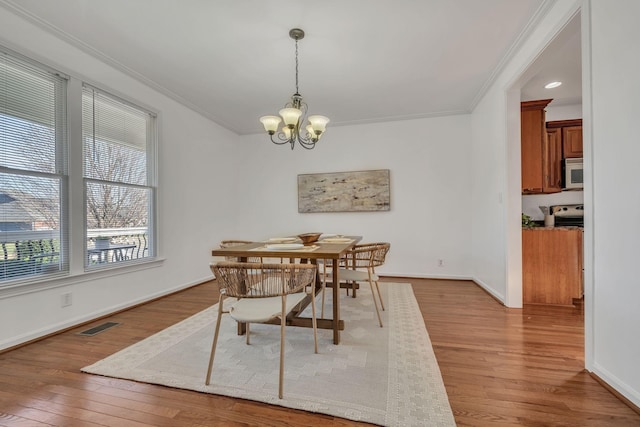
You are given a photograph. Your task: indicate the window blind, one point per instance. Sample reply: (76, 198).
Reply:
(33, 171)
(119, 188)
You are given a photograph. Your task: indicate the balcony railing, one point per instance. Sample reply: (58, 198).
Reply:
(28, 253)
(121, 236)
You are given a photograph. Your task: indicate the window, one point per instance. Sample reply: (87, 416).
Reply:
(33, 171)
(118, 154)
(116, 170)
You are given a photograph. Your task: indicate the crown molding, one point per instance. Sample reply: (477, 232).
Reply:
(542, 11)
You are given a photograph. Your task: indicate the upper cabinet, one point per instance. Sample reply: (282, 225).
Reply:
(537, 157)
(571, 131)
(544, 145)
(552, 162)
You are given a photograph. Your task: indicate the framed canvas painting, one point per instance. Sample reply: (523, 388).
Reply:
(359, 191)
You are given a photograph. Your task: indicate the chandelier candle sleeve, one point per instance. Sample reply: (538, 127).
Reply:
(293, 116)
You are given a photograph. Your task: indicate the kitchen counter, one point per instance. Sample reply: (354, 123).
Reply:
(551, 265)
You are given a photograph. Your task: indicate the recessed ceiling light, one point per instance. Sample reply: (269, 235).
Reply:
(552, 85)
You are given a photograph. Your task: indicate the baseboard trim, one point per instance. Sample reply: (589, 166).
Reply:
(492, 293)
(496, 296)
(427, 276)
(41, 334)
(615, 392)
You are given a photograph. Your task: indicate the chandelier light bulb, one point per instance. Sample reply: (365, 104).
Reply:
(286, 131)
(310, 132)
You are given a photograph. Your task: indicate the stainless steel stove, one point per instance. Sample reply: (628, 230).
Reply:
(568, 215)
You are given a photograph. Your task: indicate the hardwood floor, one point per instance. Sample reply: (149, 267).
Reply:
(500, 367)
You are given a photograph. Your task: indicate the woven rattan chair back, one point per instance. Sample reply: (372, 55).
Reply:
(380, 254)
(229, 243)
(256, 280)
(367, 255)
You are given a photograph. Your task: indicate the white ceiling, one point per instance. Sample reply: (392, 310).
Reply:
(361, 61)
(560, 61)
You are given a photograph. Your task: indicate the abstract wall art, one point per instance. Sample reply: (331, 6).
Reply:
(359, 191)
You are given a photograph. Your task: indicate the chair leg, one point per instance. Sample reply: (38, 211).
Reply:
(313, 316)
(375, 302)
(247, 333)
(380, 296)
(324, 285)
(283, 322)
(352, 288)
(215, 342)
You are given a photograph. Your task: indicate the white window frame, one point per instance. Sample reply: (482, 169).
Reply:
(60, 173)
(151, 169)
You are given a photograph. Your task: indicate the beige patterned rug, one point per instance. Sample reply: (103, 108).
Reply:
(386, 376)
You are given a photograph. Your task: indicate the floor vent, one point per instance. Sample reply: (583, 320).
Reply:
(97, 329)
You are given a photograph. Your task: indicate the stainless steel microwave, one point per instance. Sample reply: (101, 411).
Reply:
(572, 174)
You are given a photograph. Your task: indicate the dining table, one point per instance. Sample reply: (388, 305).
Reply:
(330, 250)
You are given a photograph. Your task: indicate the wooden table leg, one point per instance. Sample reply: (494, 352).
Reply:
(242, 327)
(336, 301)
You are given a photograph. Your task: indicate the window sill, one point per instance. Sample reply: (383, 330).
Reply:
(72, 279)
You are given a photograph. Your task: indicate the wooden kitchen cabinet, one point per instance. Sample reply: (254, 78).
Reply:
(572, 141)
(552, 265)
(541, 150)
(532, 137)
(552, 162)
(571, 133)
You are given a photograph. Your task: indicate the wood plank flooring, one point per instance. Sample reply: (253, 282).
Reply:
(501, 367)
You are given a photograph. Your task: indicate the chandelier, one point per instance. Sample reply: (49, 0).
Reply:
(293, 116)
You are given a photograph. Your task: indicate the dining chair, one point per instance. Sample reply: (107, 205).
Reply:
(263, 292)
(359, 266)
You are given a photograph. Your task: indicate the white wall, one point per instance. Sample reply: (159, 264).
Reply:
(563, 112)
(615, 111)
(193, 154)
(429, 163)
(489, 194)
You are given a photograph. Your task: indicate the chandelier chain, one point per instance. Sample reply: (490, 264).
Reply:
(297, 90)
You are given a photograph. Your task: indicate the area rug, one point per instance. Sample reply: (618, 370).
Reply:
(387, 376)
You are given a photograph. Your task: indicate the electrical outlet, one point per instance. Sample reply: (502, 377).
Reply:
(440, 263)
(65, 300)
